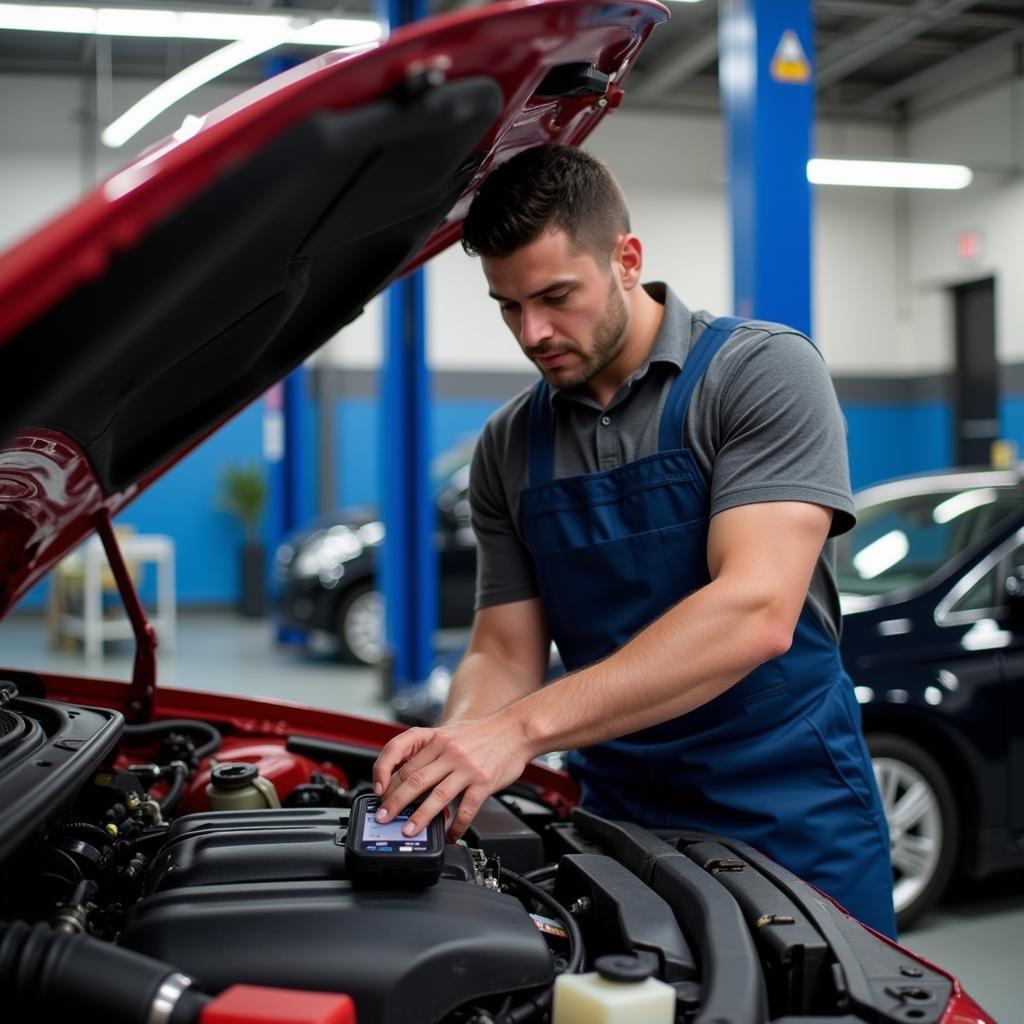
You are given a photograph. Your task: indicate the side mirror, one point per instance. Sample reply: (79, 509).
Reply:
(1013, 592)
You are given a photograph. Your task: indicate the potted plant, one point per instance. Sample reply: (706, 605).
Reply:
(243, 494)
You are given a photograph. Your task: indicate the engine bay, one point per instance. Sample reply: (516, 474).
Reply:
(150, 869)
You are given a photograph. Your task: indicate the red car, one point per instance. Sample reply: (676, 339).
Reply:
(174, 856)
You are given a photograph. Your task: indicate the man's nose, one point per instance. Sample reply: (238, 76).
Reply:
(534, 329)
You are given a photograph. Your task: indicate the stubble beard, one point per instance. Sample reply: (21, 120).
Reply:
(608, 338)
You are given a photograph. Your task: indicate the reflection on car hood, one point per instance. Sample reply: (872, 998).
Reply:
(169, 298)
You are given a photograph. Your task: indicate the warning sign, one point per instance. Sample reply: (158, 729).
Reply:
(790, 63)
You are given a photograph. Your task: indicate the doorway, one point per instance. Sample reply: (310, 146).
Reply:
(975, 373)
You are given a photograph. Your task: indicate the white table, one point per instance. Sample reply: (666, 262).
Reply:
(91, 626)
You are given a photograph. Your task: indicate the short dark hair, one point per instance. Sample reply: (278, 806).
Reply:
(541, 188)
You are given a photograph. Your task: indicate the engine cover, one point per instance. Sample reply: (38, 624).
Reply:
(405, 957)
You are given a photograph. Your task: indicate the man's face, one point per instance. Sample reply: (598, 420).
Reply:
(567, 312)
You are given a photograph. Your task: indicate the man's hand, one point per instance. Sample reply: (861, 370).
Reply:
(473, 758)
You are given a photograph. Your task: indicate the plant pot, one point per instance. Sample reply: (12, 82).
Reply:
(252, 600)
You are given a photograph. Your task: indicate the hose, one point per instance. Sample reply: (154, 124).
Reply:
(542, 874)
(540, 1003)
(150, 729)
(49, 975)
(82, 828)
(170, 799)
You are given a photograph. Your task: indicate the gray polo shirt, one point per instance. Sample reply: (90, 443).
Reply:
(764, 424)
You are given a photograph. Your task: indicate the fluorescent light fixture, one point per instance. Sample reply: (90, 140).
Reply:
(180, 85)
(166, 24)
(888, 174)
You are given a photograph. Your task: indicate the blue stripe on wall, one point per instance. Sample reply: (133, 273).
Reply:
(887, 441)
(357, 427)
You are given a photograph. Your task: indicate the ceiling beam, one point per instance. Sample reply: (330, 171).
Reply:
(677, 67)
(881, 37)
(938, 74)
(885, 8)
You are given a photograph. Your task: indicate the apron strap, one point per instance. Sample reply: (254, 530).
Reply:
(541, 435)
(673, 416)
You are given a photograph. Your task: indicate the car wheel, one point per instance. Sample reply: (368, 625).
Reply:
(923, 822)
(360, 625)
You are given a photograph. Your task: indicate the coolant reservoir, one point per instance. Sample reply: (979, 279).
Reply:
(620, 991)
(238, 786)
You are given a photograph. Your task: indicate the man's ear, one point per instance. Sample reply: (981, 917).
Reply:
(628, 260)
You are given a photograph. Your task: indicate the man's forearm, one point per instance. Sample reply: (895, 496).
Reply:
(485, 683)
(691, 654)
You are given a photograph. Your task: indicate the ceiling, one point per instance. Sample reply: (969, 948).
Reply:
(884, 60)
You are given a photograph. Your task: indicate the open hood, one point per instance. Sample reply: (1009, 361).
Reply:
(187, 283)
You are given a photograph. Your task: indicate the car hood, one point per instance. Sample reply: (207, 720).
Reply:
(180, 289)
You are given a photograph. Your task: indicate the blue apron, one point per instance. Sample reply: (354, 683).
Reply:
(778, 760)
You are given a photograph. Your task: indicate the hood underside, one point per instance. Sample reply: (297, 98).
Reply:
(192, 280)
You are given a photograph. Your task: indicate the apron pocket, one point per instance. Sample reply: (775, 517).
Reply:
(842, 743)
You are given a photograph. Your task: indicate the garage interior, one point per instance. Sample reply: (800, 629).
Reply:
(915, 296)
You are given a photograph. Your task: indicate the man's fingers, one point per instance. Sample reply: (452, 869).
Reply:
(395, 752)
(471, 802)
(410, 782)
(442, 795)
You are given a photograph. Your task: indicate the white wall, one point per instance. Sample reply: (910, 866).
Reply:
(987, 133)
(882, 260)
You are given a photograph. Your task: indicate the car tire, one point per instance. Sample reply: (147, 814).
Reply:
(923, 822)
(359, 624)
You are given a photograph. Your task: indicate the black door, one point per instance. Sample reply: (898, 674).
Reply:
(976, 375)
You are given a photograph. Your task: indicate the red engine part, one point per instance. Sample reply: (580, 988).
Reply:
(276, 764)
(249, 1004)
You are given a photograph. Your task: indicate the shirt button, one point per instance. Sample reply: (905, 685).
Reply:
(605, 420)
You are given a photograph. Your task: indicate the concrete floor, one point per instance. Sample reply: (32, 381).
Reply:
(976, 934)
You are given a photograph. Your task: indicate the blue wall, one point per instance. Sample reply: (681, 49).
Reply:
(887, 441)
(884, 440)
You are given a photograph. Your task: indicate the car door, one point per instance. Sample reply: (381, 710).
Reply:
(995, 716)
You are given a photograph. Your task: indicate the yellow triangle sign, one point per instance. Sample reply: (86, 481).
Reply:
(790, 63)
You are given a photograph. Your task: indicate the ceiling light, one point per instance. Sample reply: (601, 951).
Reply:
(180, 85)
(888, 174)
(167, 24)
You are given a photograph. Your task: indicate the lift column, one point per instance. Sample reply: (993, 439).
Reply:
(766, 50)
(408, 572)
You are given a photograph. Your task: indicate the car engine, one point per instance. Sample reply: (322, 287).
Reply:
(149, 869)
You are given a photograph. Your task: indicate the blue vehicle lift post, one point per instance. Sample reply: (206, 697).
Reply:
(408, 570)
(289, 438)
(766, 50)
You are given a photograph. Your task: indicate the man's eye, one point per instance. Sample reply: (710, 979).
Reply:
(558, 299)
(508, 307)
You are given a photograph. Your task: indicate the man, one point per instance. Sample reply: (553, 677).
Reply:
(659, 505)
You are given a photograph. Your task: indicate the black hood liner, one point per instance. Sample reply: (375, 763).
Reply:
(239, 286)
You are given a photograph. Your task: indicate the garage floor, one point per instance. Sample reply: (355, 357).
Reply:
(976, 934)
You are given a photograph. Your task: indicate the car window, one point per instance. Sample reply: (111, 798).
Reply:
(903, 541)
(988, 593)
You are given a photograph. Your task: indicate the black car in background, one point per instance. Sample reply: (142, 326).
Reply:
(325, 574)
(932, 590)
(932, 579)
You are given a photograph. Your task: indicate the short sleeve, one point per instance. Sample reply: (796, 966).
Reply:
(781, 432)
(504, 568)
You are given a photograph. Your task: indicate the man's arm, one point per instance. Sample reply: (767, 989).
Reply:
(506, 659)
(761, 558)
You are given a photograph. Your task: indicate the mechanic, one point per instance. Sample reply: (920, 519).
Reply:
(658, 504)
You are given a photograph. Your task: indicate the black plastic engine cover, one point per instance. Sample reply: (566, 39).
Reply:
(404, 957)
(279, 845)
